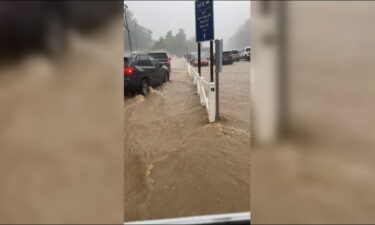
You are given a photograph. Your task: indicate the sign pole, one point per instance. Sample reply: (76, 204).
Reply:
(217, 113)
(218, 68)
(199, 58)
(211, 61)
(127, 28)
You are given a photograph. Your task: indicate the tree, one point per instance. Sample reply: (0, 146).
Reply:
(175, 44)
(141, 37)
(159, 45)
(180, 42)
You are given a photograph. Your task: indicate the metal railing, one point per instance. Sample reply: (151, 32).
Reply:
(207, 99)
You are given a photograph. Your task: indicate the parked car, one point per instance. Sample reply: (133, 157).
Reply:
(236, 55)
(204, 61)
(162, 57)
(227, 58)
(245, 53)
(142, 71)
(191, 57)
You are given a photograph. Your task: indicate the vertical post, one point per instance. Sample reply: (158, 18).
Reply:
(218, 66)
(284, 125)
(127, 28)
(212, 104)
(136, 37)
(199, 58)
(211, 61)
(217, 115)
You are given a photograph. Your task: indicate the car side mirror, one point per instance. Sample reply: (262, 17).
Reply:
(159, 65)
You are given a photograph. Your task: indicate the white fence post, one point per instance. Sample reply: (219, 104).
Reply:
(206, 99)
(202, 92)
(212, 103)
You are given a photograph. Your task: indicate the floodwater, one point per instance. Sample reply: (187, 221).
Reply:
(176, 163)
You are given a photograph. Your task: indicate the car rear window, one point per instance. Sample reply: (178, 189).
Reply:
(227, 53)
(144, 60)
(158, 55)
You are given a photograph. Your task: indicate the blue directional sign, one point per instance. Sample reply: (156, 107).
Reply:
(204, 20)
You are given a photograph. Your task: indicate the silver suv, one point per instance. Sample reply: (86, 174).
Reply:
(245, 53)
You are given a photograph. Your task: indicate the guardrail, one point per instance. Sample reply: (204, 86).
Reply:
(207, 99)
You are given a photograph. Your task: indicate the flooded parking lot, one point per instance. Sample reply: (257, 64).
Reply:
(176, 163)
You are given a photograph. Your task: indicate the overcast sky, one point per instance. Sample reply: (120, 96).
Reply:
(162, 16)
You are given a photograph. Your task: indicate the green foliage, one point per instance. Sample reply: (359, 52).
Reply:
(175, 44)
(141, 37)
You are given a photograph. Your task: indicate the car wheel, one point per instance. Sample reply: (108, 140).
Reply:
(145, 87)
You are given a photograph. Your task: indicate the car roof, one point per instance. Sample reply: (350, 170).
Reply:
(157, 52)
(137, 54)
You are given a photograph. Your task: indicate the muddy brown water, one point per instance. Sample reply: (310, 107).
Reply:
(176, 163)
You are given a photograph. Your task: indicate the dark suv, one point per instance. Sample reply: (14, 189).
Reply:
(227, 58)
(161, 57)
(142, 71)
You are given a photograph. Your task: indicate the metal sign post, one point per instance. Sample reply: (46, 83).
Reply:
(199, 59)
(211, 61)
(218, 69)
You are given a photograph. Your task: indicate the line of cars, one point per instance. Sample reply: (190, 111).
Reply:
(229, 57)
(145, 70)
(244, 54)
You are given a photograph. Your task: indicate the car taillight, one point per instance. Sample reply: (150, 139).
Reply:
(169, 61)
(129, 71)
